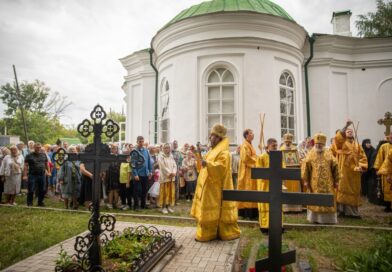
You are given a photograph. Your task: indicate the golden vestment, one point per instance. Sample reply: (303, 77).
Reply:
(321, 172)
(263, 185)
(247, 161)
(382, 154)
(349, 155)
(386, 167)
(215, 218)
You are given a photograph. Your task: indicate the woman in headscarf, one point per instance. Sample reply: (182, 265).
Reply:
(190, 174)
(11, 168)
(70, 180)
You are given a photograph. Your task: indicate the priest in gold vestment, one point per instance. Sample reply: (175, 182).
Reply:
(263, 184)
(245, 182)
(216, 219)
(386, 186)
(352, 162)
(320, 174)
(293, 186)
(386, 172)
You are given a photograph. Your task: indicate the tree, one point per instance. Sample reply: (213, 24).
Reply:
(56, 105)
(34, 97)
(118, 118)
(41, 128)
(42, 110)
(376, 24)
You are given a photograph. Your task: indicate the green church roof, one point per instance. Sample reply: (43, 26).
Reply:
(215, 6)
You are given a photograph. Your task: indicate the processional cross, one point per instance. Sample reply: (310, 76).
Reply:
(88, 247)
(275, 197)
(387, 122)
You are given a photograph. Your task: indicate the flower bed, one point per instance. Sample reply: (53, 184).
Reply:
(134, 249)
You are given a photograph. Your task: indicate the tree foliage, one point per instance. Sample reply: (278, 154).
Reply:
(56, 105)
(42, 109)
(31, 98)
(376, 24)
(40, 127)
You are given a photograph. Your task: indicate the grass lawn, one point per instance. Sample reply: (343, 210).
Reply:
(371, 215)
(324, 249)
(25, 232)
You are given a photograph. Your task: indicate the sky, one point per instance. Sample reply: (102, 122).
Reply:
(74, 46)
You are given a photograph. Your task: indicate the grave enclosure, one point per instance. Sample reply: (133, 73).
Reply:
(88, 249)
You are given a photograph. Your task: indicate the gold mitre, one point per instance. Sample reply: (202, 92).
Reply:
(320, 138)
(288, 137)
(219, 130)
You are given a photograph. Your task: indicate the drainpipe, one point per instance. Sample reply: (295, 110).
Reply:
(151, 51)
(311, 42)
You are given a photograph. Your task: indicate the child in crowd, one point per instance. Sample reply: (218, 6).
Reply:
(154, 190)
(190, 174)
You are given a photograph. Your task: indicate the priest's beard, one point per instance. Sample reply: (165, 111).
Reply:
(319, 149)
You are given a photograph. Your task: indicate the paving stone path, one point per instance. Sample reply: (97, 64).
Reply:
(191, 256)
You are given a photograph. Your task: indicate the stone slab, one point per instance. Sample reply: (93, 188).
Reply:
(191, 255)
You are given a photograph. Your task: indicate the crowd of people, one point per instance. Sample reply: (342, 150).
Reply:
(168, 174)
(199, 173)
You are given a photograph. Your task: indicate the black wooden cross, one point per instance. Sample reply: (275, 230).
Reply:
(88, 247)
(275, 197)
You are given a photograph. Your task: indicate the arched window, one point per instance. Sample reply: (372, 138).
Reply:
(287, 110)
(164, 121)
(220, 95)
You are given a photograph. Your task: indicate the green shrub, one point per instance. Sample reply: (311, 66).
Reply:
(378, 258)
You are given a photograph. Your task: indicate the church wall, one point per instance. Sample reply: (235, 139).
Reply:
(239, 24)
(140, 107)
(371, 98)
(136, 117)
(339, 98)
(139, 88)
(256, 73)
(350, 93)
(254, 47)
(319, 97)
(147, 103)
(346, 79)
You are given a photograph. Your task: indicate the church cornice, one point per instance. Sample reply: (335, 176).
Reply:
(140, 75)
(352, 45)
(351, 64)
(237, 25)
(230, 43)
(137, 60)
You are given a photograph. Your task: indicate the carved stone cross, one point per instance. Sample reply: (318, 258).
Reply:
(275, 197)
(387, 122)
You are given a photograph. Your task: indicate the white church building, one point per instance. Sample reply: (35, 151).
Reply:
(225, 61)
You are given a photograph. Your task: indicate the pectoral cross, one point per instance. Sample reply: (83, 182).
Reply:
(387, 122)
(275, 197)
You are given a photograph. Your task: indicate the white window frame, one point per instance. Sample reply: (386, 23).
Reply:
(164, 91)
(287, 115)
(221, 85)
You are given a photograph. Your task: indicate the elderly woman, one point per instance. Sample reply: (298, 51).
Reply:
(168, 170)
(11, 168)
(70, 180)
